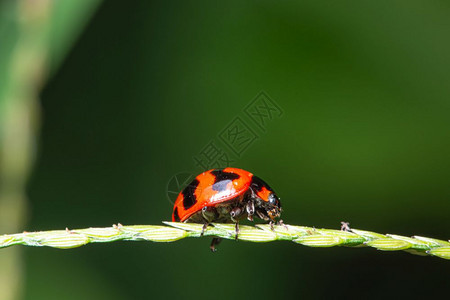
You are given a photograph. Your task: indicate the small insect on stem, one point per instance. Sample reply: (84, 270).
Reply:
(345, 226)
(118, 226)
(204, 228)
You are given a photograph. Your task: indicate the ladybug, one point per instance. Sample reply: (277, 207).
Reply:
(226, 196)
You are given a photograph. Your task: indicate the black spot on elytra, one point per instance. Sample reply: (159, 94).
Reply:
(221, 175)
(176, 216)
(189, 198)
(222, 179)
(258, 184)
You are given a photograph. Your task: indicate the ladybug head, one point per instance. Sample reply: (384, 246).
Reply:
(267, 203)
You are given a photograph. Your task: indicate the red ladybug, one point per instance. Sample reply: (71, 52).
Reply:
(226, 195)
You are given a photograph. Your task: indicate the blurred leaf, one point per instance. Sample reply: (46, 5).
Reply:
(67, 21)
(32, 33)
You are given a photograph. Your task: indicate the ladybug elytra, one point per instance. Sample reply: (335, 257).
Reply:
(226, 195)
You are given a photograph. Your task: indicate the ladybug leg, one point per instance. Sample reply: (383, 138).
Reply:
(237, 231)
(235, 213)
(208, 213)
(250, 207)
(214, 243)
(262, 216)
(271, 225)
(204, 228)
(208, 216)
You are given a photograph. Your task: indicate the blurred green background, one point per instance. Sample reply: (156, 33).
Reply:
(364, 137)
